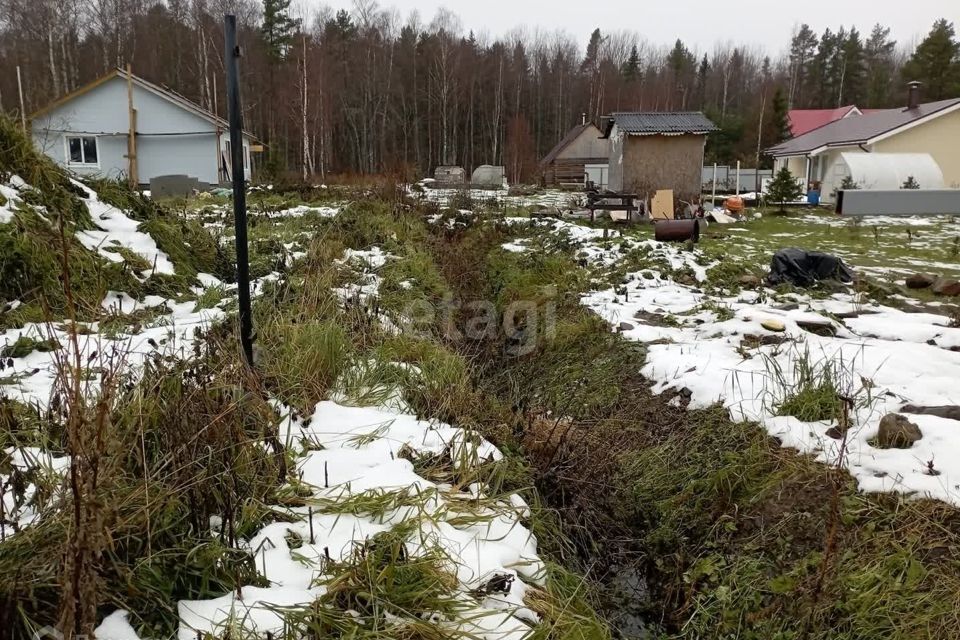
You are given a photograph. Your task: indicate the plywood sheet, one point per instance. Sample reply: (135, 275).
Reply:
(661, 206)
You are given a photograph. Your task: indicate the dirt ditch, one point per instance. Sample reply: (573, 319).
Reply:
(686, 524)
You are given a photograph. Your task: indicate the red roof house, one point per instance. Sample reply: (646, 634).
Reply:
(804, 120)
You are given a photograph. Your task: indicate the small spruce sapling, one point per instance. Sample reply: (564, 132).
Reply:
(848, 184)
(783, 188)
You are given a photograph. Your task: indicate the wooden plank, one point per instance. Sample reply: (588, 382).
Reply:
(132, 133)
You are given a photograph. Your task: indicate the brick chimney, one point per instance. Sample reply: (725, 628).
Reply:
(913, 95)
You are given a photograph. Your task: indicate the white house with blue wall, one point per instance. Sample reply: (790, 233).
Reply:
(88, 131)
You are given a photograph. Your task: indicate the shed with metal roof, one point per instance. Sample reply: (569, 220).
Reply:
(651, 151)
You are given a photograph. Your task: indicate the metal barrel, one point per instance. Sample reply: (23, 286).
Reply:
(677, 230)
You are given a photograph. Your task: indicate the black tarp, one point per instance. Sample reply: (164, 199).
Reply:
(804, 268)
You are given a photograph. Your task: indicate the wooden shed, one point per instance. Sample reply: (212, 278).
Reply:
(650, 151)
(582, 152)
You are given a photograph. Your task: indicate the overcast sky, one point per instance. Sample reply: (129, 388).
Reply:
(699, 23)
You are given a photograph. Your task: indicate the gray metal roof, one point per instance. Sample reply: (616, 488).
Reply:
(654, 122)
(858, 129)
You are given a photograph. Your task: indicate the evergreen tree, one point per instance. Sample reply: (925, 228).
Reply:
(818, 78)
(765, 67)
(833, 72)
(878, 54)
(277, 29)
(703, 74)
(779, 119)
(722, 145)
(936, 63)
(681, 62)
(853, 82)
(341, 28)
(910, 183)
(631, 68)
(802, 48)
(592, 57)
(848, 184)
(783, 188)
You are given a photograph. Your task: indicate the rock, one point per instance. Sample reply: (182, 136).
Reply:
(946, 287)
(787, 306)
(819, 327)
(773, 325)
(950, 412)
(896, 432)
(835, 432)
(752, 341)
(920, 281)
(626, 326)
(846, 315)
(749, 280)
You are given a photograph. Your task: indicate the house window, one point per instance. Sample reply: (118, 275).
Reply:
(82, 150)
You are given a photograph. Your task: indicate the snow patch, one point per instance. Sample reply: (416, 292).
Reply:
(117, 229)
(889, 355)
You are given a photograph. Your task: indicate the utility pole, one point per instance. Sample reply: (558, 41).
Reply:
(23, 111)
(713, 192)
(232, 60)
(756, 173)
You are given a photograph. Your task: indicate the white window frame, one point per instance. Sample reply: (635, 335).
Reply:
(66, 151)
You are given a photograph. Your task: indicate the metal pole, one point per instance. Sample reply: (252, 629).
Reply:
(713, 193)
(232, 59)
(738, 177)
(23, 111)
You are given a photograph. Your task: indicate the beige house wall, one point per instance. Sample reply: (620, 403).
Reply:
(796, 164)
(939, 137)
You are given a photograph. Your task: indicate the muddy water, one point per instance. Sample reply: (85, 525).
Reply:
(626, 603)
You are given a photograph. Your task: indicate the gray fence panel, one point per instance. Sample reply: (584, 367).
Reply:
(727, 178)
(898, 202)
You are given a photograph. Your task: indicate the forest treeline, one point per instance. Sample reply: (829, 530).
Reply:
(371, 91)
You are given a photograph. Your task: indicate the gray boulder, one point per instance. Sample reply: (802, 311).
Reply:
(896, 432)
